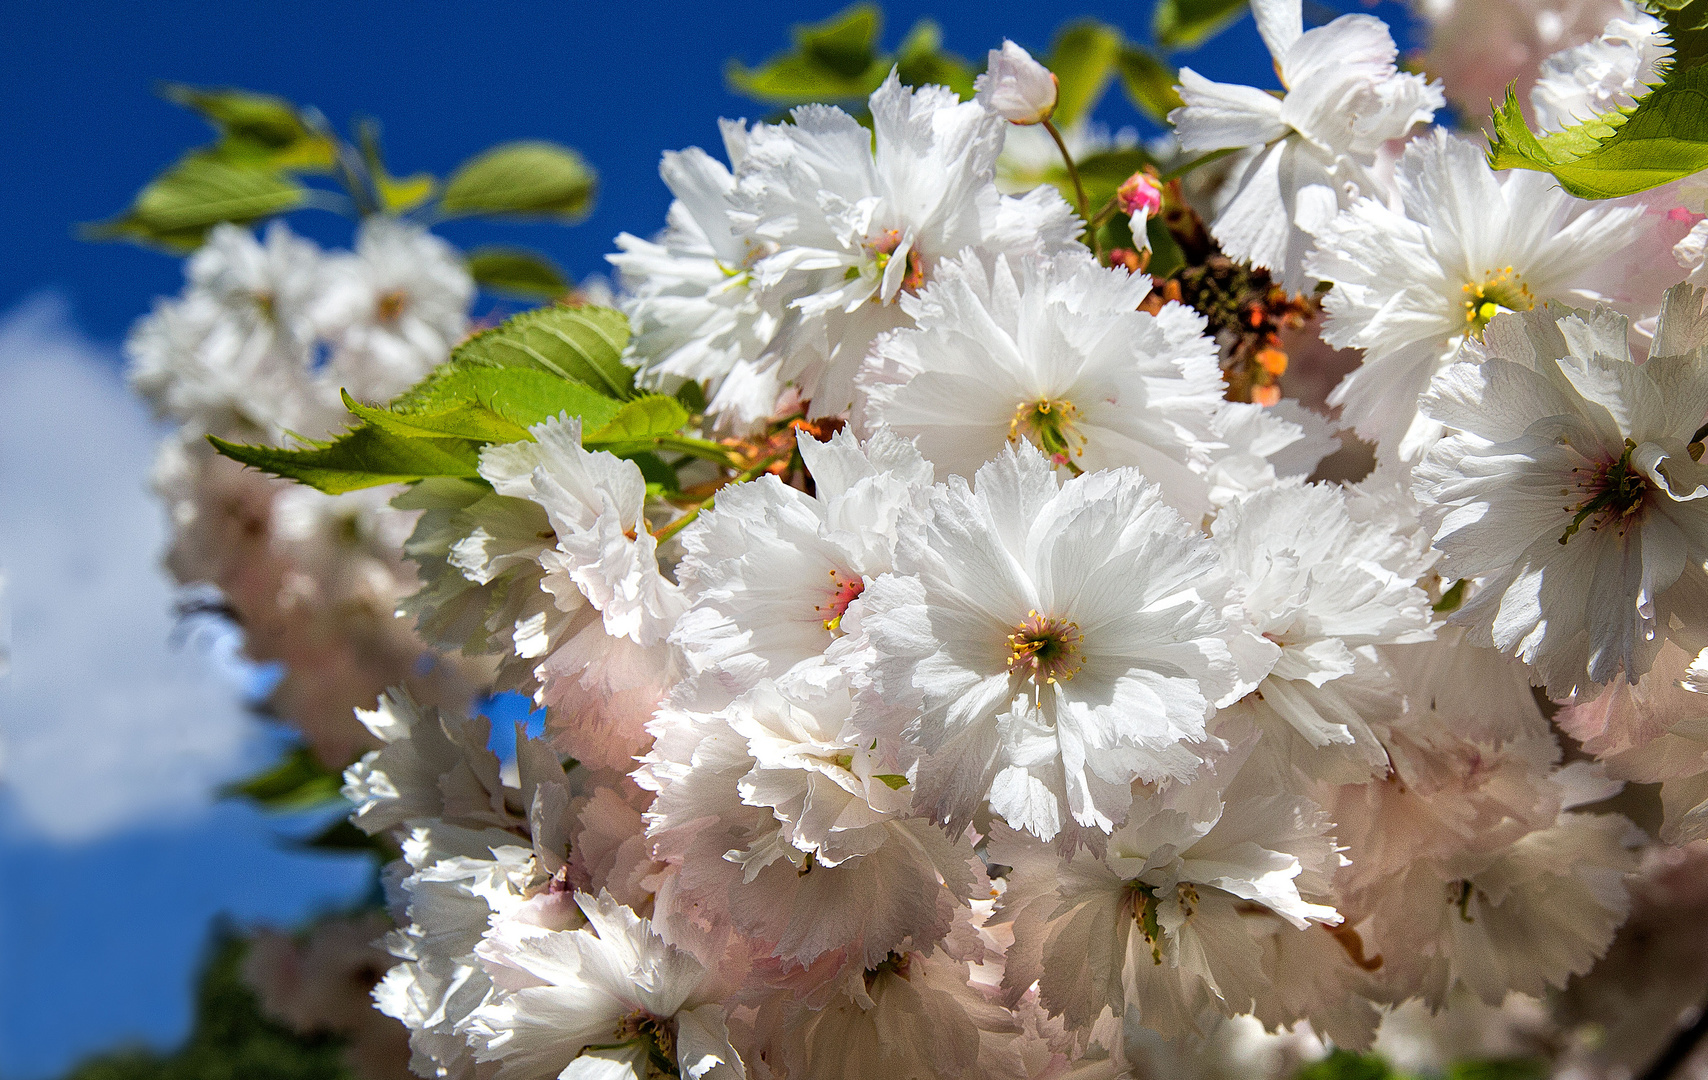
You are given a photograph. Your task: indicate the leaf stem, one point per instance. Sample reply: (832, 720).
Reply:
(1215, 155)
(1073, 174)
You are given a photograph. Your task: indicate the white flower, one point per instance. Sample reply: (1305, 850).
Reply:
(1322, 588)
(913, 1016)
(1467, 867)
(1054, 353)
(693, 310)
(393, 308)
(1655, 730)
(610, 1001)
(1016, 87)
(1570, 489)
(792, 830)
(595, 503)
(771, 572)
(1608, 73)
(555, 569)
(233, 353)
(1046, 644)
(433, 767)
(1411, 283)
(1164, 919)
(858, 217)
(1314, 146)
(455, 881)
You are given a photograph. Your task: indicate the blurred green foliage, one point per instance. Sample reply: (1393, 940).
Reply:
(231, 1039)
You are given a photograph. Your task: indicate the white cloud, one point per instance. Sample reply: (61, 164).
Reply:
(106, 721)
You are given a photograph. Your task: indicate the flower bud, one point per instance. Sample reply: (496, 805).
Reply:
(1139, 197)
(1017, 87)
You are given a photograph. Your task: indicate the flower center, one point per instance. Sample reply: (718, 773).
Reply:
(1613, 493)
(390, 305)
(266, 305)
(1045, 650)
(1053, 427)
(882, 247)
(658, 1036)
(1500, 290)
(843, 591)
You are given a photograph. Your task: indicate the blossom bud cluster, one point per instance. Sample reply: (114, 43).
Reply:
(1032, 705)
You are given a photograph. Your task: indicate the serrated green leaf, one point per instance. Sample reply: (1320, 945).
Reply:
(922, 61)
(517, 271)
(178, 208)
(1083, 59)
(1663, 138)
(363, 458)
(487, 404)
(834, 60)
(299, 782)
(522, 179)
(1149, 81)
(1185, 24)
(638, 421)
(583, 344)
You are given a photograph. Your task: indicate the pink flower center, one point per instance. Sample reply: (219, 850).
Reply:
(843, 591)
(1613, 494)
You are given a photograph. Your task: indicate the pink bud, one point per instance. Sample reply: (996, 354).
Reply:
(1139, 194)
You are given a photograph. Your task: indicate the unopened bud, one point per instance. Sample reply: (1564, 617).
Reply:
(1139, 194)
(1140, 198)
(1017, 87)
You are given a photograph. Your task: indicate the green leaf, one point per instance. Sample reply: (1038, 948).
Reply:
(922, 61)
(487, 404)
(893, 781)
(1083, 59)
(257, 129)
(1150, 82)
(341, 835)
(1664, 137)
(583, 343)
(496, 385)
(298, 782)
(1185, 24)
(522, 179)
(178, 208)
(835, 60)
(518, 272)
(1498, 1069)
(638, 421)
(1104, 172)
(366, 457)
(1345, 1065)
(396, 196)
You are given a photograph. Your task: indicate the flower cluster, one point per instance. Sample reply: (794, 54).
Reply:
(975, 686)
(257, 349)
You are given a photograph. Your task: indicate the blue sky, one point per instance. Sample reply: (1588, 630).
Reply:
(101, 924)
